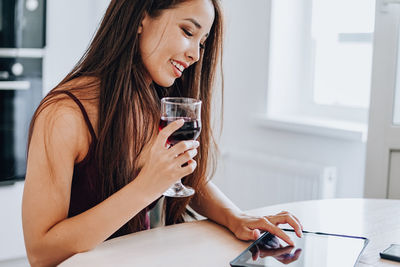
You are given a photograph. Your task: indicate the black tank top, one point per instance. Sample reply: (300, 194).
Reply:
(84, 189)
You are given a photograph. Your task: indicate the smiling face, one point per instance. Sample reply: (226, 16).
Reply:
(171, 42)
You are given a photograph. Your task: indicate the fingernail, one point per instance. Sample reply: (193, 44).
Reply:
(196, 143)
(256, 234)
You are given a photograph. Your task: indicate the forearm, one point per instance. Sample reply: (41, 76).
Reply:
(88, 229)
(214, 205)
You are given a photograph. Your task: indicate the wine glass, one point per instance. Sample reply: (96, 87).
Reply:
(188, 109)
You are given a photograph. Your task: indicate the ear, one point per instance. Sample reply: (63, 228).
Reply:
(143, 23)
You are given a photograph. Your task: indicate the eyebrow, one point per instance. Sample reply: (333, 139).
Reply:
(198, 26)
(194, 22)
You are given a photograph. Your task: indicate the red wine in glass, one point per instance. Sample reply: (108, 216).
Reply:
(189, 131)
(188, 109)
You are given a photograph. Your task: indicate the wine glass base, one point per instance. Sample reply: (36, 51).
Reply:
(181, 191)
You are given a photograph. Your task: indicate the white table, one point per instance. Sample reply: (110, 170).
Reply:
(203, 243)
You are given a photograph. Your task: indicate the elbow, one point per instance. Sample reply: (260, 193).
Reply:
(36, 260)
(52, 249)
(33, 253)
(40, 256)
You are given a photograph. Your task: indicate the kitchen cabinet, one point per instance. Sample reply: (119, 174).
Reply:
(12, 239)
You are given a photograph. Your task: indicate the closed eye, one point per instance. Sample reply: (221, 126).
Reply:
(188, 33)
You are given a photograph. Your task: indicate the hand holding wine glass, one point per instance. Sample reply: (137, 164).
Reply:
(188, 109)
(163, 167)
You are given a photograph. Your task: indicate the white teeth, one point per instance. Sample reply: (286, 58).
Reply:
(179, 66)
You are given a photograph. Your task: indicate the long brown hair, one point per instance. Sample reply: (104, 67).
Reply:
(128, 107)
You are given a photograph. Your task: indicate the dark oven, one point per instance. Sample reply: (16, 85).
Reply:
(22, 40)
(22, 23)
(19, 97)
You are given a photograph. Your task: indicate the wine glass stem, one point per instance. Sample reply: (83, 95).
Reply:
(178, 186)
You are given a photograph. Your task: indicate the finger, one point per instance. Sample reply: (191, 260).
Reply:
(288, 213)
(283, 212)
(301, 226)
(295, 224)
(264, 224)
(256, 234)
(286, 218)
(189, 168)
(275, 230)
(282, 235)
(249, 234)
(168, 130)
(185, 157)
(183, 146)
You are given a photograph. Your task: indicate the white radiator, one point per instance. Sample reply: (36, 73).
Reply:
(257, 180)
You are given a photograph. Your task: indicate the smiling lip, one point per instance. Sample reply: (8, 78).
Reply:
(185, 65)
(177, 72)
(178, 67)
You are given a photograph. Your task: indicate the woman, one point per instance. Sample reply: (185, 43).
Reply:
(96, 159)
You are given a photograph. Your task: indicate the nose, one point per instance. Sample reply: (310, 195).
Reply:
(193, 53)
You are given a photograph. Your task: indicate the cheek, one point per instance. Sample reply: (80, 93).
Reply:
(149, 54)
(175, 44)
(156, 54)
(147, 46)
(156, 63)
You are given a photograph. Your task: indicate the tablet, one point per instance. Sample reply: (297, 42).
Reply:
(312, 250)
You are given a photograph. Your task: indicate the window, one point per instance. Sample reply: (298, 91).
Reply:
(321, 59)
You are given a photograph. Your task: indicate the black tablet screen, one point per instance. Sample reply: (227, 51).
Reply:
(312, 250)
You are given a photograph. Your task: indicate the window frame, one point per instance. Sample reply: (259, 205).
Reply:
(298, 100)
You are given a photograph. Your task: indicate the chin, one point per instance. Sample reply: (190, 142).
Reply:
(165, 82)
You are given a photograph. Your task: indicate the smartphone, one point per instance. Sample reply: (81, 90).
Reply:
(391, 253)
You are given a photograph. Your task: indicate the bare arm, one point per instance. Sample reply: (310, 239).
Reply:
(214, 205)
(51, 237)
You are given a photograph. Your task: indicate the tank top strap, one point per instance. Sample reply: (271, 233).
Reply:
(83, 110)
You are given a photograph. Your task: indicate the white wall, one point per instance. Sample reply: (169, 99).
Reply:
(71, 25)
(11, 237)
(246, 76)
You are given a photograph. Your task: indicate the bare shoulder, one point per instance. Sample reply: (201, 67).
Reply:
(60, 122)
(60, 125)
